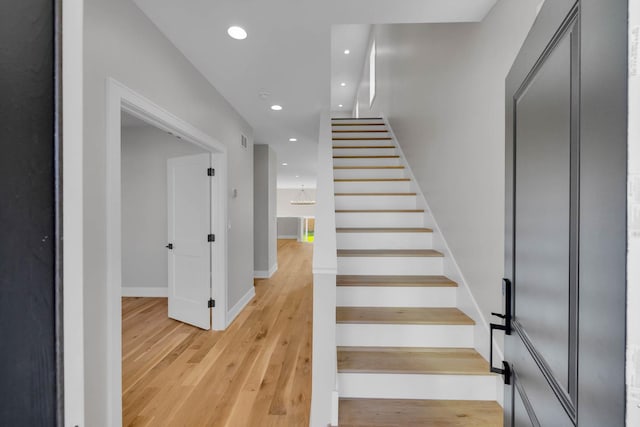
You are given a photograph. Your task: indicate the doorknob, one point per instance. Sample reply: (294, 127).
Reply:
(505, 371)
(169, 246)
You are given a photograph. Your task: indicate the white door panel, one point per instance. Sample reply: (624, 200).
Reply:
(189, 219)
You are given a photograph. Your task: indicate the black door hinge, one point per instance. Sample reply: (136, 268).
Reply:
(211, 238)
(211, 172)
(212, 303)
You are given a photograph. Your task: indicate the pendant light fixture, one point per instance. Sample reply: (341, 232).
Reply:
(302, 200)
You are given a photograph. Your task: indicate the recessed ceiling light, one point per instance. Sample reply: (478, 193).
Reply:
(293, 139)
(343, 84)
(276, 107)
(347, 51)
(285, 164)
(340, 105)
(297, 176)
(237, 33)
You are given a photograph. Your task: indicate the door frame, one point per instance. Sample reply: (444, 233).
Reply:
(121, 98)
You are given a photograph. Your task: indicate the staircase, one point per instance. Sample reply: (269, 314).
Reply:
(405, 352)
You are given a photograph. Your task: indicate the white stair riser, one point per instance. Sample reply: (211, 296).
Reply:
(350, 134)
(368, 173)
(372, 186)
(394, 161)
(386, 219)
(416, 386)
(364, 151)
(377, 296)
(360, 121)
(412, 266)
(376, 202)
(334, 128)
(361, 142)
(384, 240)
(382, 335)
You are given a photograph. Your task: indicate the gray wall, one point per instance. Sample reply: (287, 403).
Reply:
(121, 42)
(288, 227)
(265, 169)
(145, 151)
(442, 88)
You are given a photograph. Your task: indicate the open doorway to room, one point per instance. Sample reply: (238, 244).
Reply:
(166, 235)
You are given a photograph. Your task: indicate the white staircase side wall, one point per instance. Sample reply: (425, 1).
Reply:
(466, 301)
(417, 386)
(392, 335)
(378, 296)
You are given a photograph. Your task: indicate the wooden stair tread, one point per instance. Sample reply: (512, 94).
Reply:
(395, 281)
(411, 412)
(395, 253)
(366, 157)
(371, 179)
(362, 138)
(376, 194)
(368, 167)
(401, 360)
(363, 147)
(403, 315)
(379, 210)
(356, 118)
(383, 230)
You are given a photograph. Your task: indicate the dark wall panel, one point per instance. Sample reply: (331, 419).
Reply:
(28, 236)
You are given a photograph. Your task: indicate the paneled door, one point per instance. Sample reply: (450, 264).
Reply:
(565, 219)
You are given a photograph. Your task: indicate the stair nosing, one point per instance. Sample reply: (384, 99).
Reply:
(427, 281)
(466, 320)
(389, 253)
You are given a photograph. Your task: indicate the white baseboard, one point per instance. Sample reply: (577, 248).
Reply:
(236, 309)
(145, 291)
(293, 237)
(264, 274)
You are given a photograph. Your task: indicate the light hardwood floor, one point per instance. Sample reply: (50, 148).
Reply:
(256, 373)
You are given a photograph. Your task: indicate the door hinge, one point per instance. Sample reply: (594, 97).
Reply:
(211, 238)
(211, 172)
(212, 303)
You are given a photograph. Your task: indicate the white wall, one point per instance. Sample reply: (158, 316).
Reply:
(145, 151)
(288, 227)
(442, 88)
(265, 249)
(633, 267)
(286, 209)
(120, 42)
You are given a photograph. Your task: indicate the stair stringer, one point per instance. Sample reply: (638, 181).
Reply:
(466, 302)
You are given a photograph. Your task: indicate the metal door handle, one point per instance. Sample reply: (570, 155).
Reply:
(505, 371)
(169, 246)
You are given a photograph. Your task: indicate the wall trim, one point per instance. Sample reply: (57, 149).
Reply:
(145, 291)
(240, 305)
(264, 274)
(121, 98)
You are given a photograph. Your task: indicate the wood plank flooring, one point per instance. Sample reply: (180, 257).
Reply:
(256, 373)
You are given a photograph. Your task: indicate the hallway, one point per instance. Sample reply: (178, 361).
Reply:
(256, 373)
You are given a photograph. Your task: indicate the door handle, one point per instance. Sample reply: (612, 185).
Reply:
(505, 371)
(169, 246)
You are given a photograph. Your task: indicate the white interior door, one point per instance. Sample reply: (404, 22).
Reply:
(189, 218)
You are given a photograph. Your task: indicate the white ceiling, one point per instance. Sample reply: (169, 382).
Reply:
(288, 53)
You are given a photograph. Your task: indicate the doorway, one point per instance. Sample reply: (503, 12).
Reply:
(122, 99)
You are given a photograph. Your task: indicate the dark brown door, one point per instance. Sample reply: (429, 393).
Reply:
(565, 218)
